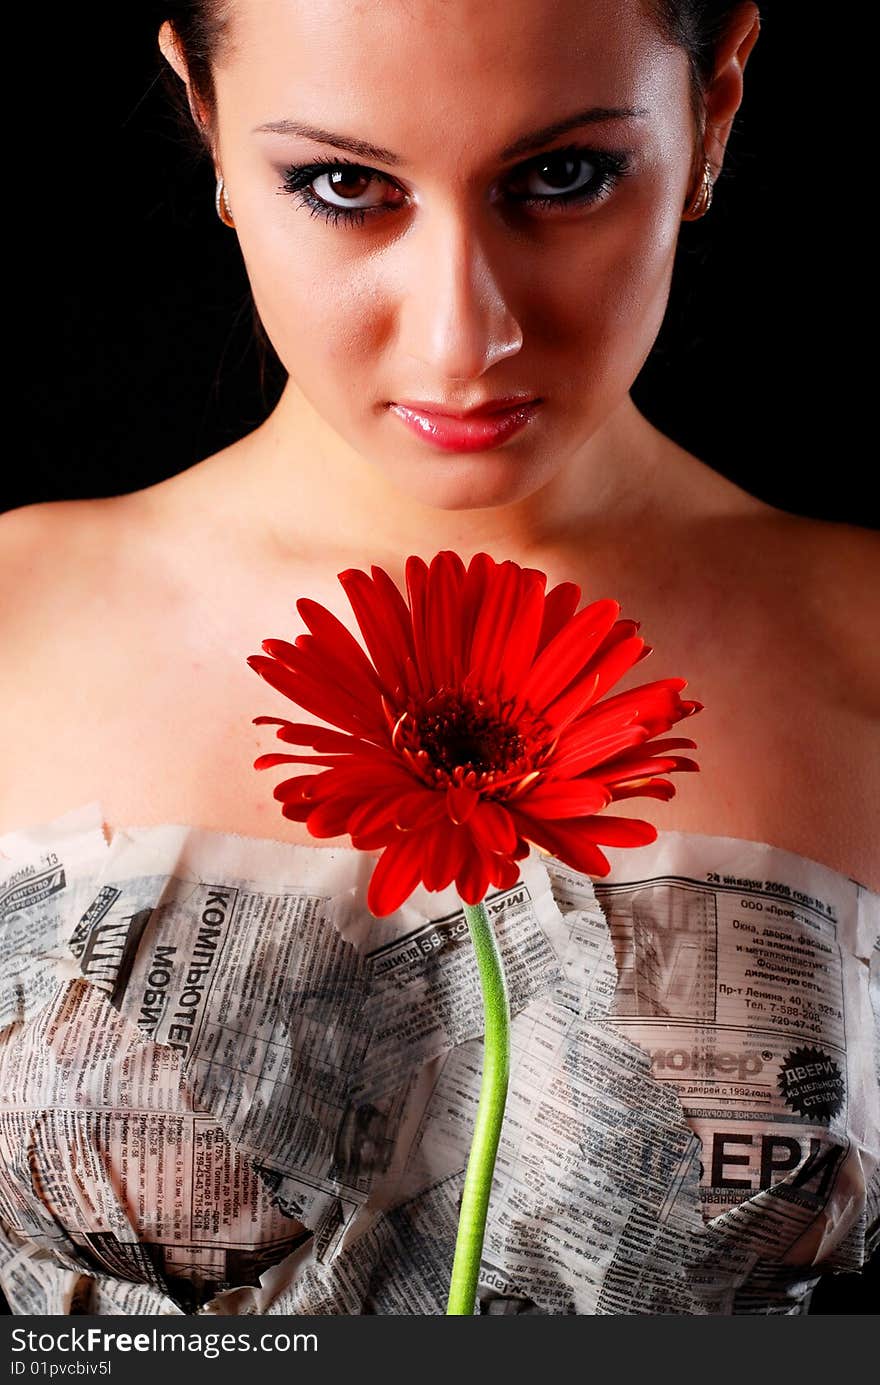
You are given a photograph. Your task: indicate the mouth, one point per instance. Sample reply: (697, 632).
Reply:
(487, 426)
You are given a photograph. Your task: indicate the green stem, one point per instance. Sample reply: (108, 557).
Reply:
(490, 1114)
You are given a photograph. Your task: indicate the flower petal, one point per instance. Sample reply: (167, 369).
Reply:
(568, 654)
(397, 873)
(643, 788)
(328, 701)
(611, 831)
(569, 840)
(461, 800)
(559, 607)
(302, 788)
(444, 846)
(585, 691)
(443, 612)
(474, 872)
(270, 761)
(419, 809)
(491, 824)
(336, 646)
(507, 627)
(308, 733)
(384, 621)
(562, 798)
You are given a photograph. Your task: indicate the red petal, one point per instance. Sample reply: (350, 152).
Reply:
(328, 701)
(416, 571)
(580, 747)
(443, 617)
(635, 765)
(444, 845)
(461, 800)
(522, 648)
(491, 824)
(647, 788)
(611, 831)
(307, 733)
(419, 809)
(337, 646)
(318, 665)
(616, 662)
(397, 873)
(330, 818)
(384, 621)
(474, 872)
(271, 760)
(570, 841)
(506, 873)
(562, 798)
(568, 653)
(507, 627)
(560, 604)
(479, 576)
(300, 789)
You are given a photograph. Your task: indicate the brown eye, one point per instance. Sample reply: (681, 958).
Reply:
(348, 184)
(572, 177)
(562, 173)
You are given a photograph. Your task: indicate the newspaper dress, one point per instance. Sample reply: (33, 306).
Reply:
(226, 1088)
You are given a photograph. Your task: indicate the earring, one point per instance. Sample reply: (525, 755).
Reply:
(221, 202)
(702, 202)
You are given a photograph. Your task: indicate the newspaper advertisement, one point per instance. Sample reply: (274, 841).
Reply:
(227, 1088)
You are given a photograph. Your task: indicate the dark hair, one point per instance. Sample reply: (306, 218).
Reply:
(204, 29)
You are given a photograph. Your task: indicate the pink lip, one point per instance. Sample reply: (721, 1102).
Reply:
(471, 434)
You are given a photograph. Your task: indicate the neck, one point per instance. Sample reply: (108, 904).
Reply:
(322, 498)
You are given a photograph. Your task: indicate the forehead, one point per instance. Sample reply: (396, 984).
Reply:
(404, 71)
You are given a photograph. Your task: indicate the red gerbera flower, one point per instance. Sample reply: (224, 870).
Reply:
(474, 728)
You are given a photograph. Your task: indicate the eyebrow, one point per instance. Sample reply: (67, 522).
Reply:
(524, 145)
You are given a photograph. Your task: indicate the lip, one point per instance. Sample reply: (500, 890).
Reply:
(482, 428)
(491, 406)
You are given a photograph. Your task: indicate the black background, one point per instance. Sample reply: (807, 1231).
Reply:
(135, 343)
(137, 335)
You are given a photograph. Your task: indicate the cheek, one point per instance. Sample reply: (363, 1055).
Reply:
(319, 313)
(611, 289)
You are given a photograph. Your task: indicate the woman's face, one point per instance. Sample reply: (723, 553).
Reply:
(483, 254)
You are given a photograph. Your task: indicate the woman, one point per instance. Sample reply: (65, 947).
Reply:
(404, 282)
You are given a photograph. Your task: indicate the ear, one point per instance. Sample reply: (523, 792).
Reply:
(725, 92)
(171, 51)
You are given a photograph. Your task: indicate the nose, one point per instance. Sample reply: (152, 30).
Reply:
(455, 318)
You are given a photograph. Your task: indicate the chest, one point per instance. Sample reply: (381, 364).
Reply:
(161, 730)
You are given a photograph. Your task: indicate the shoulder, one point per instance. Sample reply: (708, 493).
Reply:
(821, 595)
(55, 557)
(73, 585)
(61, 566)
(35, 547)
(831, 587)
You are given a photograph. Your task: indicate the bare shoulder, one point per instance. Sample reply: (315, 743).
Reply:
(60, 580)
(773, 624)
(835, 574)
(56, 560)
(821, 594)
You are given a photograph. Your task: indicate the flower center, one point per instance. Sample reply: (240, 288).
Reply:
(459, 736)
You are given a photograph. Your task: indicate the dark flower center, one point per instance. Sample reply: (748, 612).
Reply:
(455, 734)
(460, 736)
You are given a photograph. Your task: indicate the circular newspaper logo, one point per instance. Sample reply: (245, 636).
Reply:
(811, 1083)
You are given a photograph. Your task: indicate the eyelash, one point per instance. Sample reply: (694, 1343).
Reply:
(610, 167)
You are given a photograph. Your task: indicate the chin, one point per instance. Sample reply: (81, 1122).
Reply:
(473, 481)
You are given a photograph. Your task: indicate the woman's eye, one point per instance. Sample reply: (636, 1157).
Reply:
(567, 175)
(349, 185)
(338, 189)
